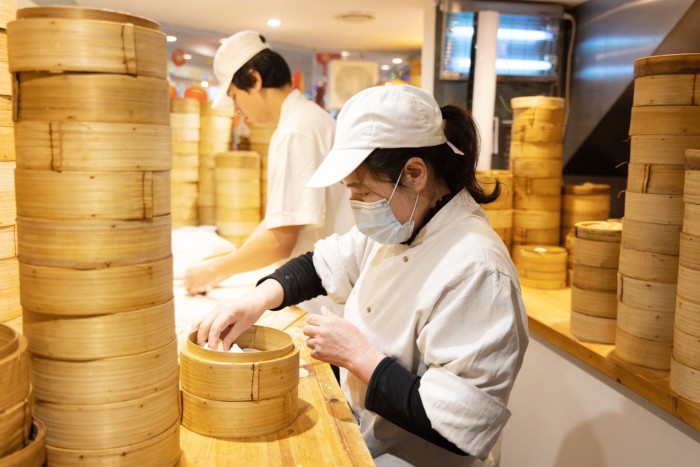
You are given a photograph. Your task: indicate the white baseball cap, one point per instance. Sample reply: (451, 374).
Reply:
(388, 116)
(234, 52)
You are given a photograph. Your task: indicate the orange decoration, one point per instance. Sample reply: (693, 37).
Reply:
(196, 92)
(178, 57)
(173, 92)
(298, 79)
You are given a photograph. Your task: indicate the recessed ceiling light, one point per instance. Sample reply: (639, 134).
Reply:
(385, 67)
(344, 53)
(204, 84)
(396, 61)
(171, 38)
(274, 22)
(187, 57)
(355, 17)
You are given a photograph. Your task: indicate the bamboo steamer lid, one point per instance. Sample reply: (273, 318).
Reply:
(225, 376)
(541, 150)
(655, 178)
(592, 328)
(665, 120)
(538, 186)
(654, 208)
(74, 292)
(587, 189)
(500, 218)
(536, 202)
(601, 303)
(92, 195)
(676, 64)
(686, 348)
(543, 258)
(534, 168)
(92, 97)
(225, 419)
(687, 316)
(600, 231)
(661, 149)
(106, 426)
(8, 241)
(691, 219)
(685, 381)
(186, 105)
(14, 369)
(646, 295)
(665, 90)
(689, 284)
(593, 278)
(33, 454)
(68, 12)
(487, 180)
(9, 273)
(15, 424)
(648, 324)
(643, 352)
(106, 380)
(66, 146)
(537, 101)
(657, 238)
(8, 11)
(86, 45)
(689, 251)
(93, 244)
(597, 254)
(160, 450)
(100, 336)
(648, 266)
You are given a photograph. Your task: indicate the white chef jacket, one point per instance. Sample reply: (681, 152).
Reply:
(303, 138)
(448, 308)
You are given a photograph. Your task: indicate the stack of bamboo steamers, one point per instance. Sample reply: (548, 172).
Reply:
(500, 212)
(215, 134)
(665, 122)
(184, 120)
(93, 204)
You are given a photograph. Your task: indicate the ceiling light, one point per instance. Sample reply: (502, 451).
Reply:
(187, 57)
(385, 67)
(344, 53)
(171, 38)
(274, 22)
(355, 17)
(204, 84)
(396, 61)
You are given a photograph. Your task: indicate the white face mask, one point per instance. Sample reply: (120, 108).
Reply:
(376, 220)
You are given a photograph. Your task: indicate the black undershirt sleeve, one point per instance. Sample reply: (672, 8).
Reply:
(393, 394)
(298, 279)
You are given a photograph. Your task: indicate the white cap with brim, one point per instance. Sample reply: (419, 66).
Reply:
(380, 117)
(234, 52)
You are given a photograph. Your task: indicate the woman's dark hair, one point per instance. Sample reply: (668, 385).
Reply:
(455, 170)
(272, 67)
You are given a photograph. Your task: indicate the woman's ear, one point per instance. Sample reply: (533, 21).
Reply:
(416, 173)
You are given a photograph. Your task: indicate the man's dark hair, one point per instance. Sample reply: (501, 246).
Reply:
(272, 67)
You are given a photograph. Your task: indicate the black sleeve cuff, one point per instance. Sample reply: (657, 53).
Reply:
(393, 394)
(298, 279)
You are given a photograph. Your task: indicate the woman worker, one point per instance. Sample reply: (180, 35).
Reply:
(434, 329)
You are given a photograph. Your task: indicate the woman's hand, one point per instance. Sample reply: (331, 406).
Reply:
(336, 341)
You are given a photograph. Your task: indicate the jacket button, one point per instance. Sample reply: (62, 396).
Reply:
(405, 259)
(369, 309)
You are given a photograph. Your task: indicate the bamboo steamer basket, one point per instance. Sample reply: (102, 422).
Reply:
(185, 169)
(537, 186)
(92, 195)
(534, 110)
(585, 202)
(5, 106)
(88, 97)
(84, 45)
(73, 292)
(687, 63)
(8, 211)
(186, 105)
(647, 324)
(160, 450)
(597, 243)
(594, 278)
(7, 145)
(646, 295)
(487, 180)
(666, 90)
(15, 424)
(14, 369)
(5, 80)
(652, 237)
(534, 168)
(33, 454)
(685, 381)
(8, 241)
(107, 426)
(184, 204)
(525, 102)
(643, 352)
(186, 121)
(9, 273)
(541, 266)
(687, 316)
(686, 348)
(237, 194)
(206, 110)
(658, 149)
(260, 136)
(66, 146)
(226, 376)
(600, 303)
(106, 380)
(689, 255)
(100, 336)
(537, 132)
(665, 120)
(689, 283)
(67, 12)
(691, 187)
(93, 244)
(655, 178)
(215, 127)
(691, 219)
(531, 150)
(653, 208)
(536, 227)
(9, 304)
(647, 266)
(537, 202)
(8, 10)
(593, 328)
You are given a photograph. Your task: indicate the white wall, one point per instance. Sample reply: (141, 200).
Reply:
(566, 414)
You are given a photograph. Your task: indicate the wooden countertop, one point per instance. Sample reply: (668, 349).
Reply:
(548, 312)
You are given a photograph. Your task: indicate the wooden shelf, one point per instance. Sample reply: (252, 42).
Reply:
(548, 315)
